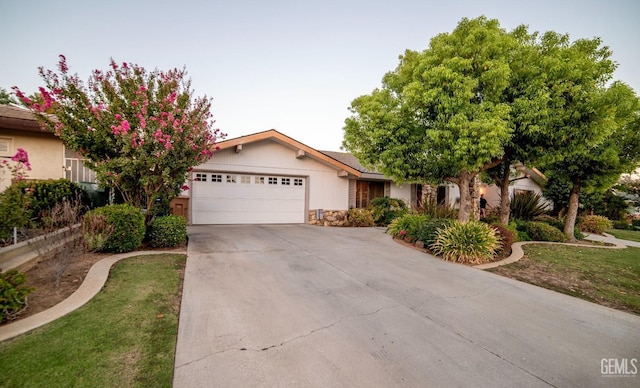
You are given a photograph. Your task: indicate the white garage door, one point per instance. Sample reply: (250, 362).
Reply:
(231, 198)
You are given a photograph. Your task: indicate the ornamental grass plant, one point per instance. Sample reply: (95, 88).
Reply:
(473, 242)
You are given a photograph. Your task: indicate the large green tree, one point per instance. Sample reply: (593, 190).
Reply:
(555, 98)
(610, 115)
(528, 100)
(140, 131)
(439, 115)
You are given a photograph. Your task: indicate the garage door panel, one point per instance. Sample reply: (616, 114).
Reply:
(226, 198)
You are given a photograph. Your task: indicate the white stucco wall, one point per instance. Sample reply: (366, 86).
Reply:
(401, 192)
(325, 190)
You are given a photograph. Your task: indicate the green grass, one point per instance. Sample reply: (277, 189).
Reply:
(630, 235)
(610, 277)
(124, 337)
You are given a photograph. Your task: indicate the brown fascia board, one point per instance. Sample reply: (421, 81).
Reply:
(21, 119)
(22, 125)
(285, 140)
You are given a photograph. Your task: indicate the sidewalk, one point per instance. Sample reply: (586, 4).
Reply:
(607, 238)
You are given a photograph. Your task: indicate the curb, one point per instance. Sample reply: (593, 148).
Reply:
(91, 285)
(517, 253)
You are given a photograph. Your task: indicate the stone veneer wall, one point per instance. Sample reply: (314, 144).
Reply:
(329, 218)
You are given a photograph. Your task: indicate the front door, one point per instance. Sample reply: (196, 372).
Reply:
(366, 191)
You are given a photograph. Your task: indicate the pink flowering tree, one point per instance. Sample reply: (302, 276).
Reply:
(140, 131)
(18, 169)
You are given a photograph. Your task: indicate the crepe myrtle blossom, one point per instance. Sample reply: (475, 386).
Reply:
(125, 120)
(18, 170)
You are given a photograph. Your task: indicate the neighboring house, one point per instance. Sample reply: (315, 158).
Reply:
(48, 157)
(270, 178)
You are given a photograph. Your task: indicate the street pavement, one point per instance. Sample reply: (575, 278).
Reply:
(308, 306)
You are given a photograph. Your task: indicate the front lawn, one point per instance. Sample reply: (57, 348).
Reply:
(124, 337)
(610, 277)
(630, 235)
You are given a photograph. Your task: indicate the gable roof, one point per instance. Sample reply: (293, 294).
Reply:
(349, 159)
(289, 142)
(533, 173)
(15, 117)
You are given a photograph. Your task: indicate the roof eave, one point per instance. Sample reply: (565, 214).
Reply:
(274, 135)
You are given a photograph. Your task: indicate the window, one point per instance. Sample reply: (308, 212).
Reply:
(231, 179)
(297, 182)
(273, 180)
(259, 180)
(286, 181)
(75, 169)
(216, 178)
(245, 179)
(200, 178)
(5, 147)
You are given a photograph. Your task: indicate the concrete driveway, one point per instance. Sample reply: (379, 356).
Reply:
(306, 306)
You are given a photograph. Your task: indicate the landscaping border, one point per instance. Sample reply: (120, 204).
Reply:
(517, 253)
(92, 284)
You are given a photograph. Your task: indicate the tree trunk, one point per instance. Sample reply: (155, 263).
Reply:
(465, 196)
(572, 211)
(505, 200)
(474, 190)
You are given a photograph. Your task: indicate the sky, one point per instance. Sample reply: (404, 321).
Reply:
(290, 65)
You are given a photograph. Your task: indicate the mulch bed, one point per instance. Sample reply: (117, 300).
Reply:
(46, 295)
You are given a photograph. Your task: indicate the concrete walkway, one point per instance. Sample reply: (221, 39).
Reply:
(607, 238)
(92, 284)
(296, 305)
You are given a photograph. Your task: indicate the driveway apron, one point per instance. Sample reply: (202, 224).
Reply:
(307, 306)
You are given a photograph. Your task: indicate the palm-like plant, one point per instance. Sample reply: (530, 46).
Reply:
(528, 205)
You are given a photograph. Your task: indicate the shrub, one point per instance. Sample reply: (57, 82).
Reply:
(429, 230)
(430, 207)
(506, 237)
(472, 242)
(168, 231)
(553, 221)
(25, 203)
(522, 235)
(623, 225)
(491, 218)
(519, 231)
(13, 203)
(407, 225)
(386, 209)
(96, 231)
(540, 231)
(527, 205)
(594, 224)
(46, 194)
(360, 217)
(13, 294)
(128, 229)
(559, 224)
